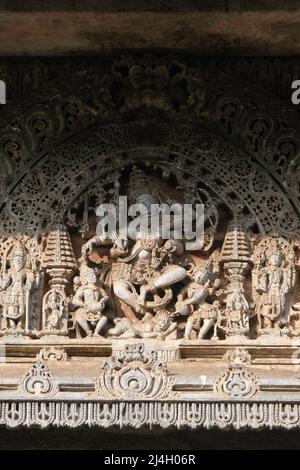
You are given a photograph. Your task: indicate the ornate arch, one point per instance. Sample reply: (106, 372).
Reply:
(263, 125)
(42, 197)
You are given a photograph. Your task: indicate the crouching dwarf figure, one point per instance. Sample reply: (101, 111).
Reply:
(88, 303)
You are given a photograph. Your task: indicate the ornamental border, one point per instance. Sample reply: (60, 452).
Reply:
(193, 415)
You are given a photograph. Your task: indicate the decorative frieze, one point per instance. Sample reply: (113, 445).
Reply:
(236, 283)
(194, 415)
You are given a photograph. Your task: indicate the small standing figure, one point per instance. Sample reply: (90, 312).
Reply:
(54, 310)
(273, 281)
(237, 311)
(193, 302)
(18, 282)
(88, 304)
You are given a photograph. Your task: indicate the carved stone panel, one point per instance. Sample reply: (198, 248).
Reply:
(121, 330)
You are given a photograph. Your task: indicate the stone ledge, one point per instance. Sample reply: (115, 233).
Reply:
(148, 5)
(262, 351)
(53, 33)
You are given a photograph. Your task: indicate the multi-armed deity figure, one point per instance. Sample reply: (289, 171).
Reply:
(148, 267)
(143, 270)
(19, 282)
(88, 303)
(273, 281)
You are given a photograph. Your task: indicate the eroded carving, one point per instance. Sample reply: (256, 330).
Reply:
(52, 353)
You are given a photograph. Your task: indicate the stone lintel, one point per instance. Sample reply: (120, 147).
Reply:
(46, 33)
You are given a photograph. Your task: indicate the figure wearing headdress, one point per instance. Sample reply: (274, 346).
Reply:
(18, 282)
(273, 280)
(193, 301)
(148, 265)
(88, 303)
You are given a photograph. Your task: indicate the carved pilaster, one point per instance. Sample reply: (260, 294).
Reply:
(236, 260)
(60, 264)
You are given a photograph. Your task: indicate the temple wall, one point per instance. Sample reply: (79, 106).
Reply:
(149, 332)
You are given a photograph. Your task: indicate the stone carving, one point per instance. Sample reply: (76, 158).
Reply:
(122, 325)
(273, 282)
(88, 303)
(150, 287)
(263, 133)
(236, 260)
(141, 272)
(215, 106)
(20, 278)
(167, 351)
(38, 381)
(60, 264)
(163, 292)
(138, 415)
(159, 326)
(219, 161)
(238, 381)
(157, 131)
(146, 266)
(148, 77)
(52, 354)
(135, 376)
(54, 308)
(192, 302)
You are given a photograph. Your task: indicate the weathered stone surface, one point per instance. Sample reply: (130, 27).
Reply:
(249, 30)
(106, 331)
